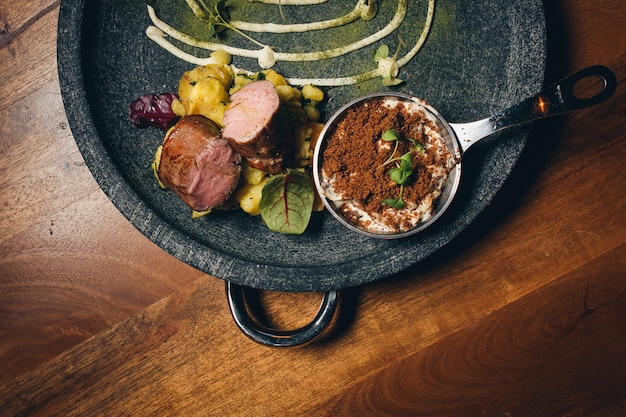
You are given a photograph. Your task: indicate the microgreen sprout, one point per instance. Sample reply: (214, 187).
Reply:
(388, 66)
(217, 18)
(391, 135)
(214, 17)
(396, 203)
(402, 172)
(380, 53)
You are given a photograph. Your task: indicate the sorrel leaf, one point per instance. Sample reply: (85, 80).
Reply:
(287, 202)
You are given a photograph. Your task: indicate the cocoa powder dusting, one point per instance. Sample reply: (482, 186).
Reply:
(355, 153)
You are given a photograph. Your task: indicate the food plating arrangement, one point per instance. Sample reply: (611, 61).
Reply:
(246, 139)
(243, 139)
(303, 148)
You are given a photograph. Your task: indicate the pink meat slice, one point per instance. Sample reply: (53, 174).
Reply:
(257, 126)
(198, 164)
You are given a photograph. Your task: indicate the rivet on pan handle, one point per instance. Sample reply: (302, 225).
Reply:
(273, 337)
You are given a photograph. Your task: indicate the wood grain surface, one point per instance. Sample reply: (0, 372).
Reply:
(522, 315)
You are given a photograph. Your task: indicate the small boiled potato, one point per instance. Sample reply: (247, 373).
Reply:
(249, 197)
(240, 80)
(207, 97)
(252, 175)
(221, 57)
(178, 108)
(198, 214)
(304, 144)
(303, 152)
(310, 92)
(275, 78)
(312, 112)
(315, 131)
(155, 165)
(234, 89)
(287, 93)
(223, 73)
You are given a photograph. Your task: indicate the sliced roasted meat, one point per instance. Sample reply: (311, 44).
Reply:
(198, 164)
(257, 126)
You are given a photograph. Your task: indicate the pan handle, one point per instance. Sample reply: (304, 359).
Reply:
(556, 99)
(273, 337)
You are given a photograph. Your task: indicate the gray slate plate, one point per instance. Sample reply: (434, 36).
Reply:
(481, 56)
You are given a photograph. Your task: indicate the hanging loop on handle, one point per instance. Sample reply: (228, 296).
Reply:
(572, 102)
(559, 98)
(279, 338)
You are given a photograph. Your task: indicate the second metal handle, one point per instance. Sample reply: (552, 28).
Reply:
(273, 337)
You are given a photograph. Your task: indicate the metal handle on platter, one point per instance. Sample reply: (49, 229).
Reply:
(556, 99)
(273, 337)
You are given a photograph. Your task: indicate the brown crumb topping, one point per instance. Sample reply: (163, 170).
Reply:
(355, 153)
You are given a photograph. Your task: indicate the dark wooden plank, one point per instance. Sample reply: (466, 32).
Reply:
(557, 351)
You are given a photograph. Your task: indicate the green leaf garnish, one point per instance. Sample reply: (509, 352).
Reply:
(406, 162)
(381, 52)
(214, 16)
(217, 17)
(287, 202)
(403, 171)
(400, 176)
(396, 203)
(388, 66)
(391, 135)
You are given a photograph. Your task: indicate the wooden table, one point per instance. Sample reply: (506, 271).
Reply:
(524, 315)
